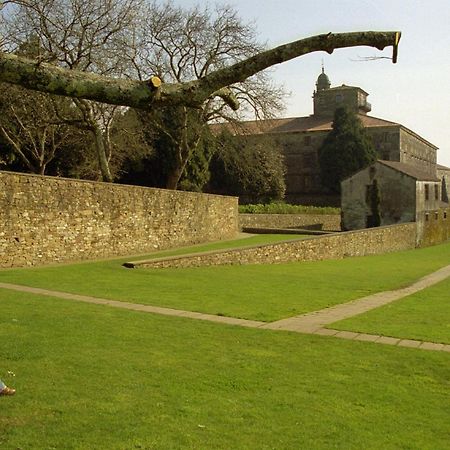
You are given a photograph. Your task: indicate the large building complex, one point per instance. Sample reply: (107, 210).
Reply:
(301, 138)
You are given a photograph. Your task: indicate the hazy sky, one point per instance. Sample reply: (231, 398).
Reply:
(414, 92)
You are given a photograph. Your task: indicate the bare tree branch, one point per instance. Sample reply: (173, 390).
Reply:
(143, 95)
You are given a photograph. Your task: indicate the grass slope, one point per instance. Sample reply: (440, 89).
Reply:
(260, 292)
(423, 316)
(93, 377)
(249, 241)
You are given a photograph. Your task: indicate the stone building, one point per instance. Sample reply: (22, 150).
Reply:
(406, 194)
(301, 138)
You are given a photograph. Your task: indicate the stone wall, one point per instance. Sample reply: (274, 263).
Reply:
(329, 222)
(46, 220)
(334, 246)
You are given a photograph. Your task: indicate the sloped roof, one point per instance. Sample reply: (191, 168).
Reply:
(441, 167)
(294, 125)
(410, 170)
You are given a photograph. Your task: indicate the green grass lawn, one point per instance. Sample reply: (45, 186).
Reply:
(260, 292)
(259, 239)
(94, 377)
(424, 315)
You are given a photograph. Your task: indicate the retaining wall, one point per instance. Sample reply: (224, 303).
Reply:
(48, 219)
(333, 246)
(331, 222)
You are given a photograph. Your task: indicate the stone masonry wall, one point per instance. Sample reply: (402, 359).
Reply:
(334, 246)
(329, 222)
(46, 219)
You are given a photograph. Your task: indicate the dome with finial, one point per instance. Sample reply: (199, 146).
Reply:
(323, 81)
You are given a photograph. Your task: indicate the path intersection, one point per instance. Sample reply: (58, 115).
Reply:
(310, 323)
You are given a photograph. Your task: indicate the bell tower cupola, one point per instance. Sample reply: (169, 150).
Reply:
(323, 81)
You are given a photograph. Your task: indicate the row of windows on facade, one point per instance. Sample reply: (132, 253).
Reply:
(436, 215)
(427, 192)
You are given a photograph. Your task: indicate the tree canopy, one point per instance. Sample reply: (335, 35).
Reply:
(346, 150)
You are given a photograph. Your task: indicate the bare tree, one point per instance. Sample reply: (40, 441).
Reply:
(78, 35)
(179, 45)
(152, 93)
(199, 60)
(30, 125)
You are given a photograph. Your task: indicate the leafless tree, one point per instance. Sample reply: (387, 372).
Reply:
(30, 125)
(197, 63)
(86, 36)
(179, 45)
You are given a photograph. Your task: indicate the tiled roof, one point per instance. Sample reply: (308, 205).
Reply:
(294, 125)
(410, 170)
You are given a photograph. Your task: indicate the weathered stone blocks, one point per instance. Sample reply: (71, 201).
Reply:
(47, 219)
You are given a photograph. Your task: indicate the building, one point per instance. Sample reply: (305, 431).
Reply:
(405, 193)
(301, 138)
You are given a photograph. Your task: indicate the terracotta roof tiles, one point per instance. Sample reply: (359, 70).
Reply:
(294, 125)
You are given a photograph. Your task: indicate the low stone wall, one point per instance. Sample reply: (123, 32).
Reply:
(47, 219)
(333, 246)
(330, 222)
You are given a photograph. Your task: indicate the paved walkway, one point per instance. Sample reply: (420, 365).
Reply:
(310, 323)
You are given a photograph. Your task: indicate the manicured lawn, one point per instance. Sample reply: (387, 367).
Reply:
(260, 292)
(94, 377)
(249, 241)
(423, 316)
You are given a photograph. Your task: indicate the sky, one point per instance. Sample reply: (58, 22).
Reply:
(415, 92)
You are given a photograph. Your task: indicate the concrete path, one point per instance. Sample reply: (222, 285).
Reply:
(134, 306)
(310, 323)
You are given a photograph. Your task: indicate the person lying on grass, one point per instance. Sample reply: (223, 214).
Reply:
(5, 390)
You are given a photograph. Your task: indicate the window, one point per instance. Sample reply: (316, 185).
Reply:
(436, 192)
(426, 217)
(445, 214)
(427, 192)
(307, 140)
(339, 98)
(436, 215)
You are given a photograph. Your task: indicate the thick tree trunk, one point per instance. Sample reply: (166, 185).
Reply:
(146, 94)
(101, 155)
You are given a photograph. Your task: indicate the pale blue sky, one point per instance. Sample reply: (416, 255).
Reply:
(414, 92)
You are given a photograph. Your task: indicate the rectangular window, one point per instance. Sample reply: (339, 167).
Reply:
(307, 140)
(436, 192)
(436, 215)
(427, 192)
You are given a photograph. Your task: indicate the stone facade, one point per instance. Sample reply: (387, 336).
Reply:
(327, 222)
(443, 173)
(301, 138)
(333, 246)
(405, 193)
(47, 220)
(434, 227)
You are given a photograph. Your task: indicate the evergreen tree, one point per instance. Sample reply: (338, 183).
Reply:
(374, 219)
(346, 150)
